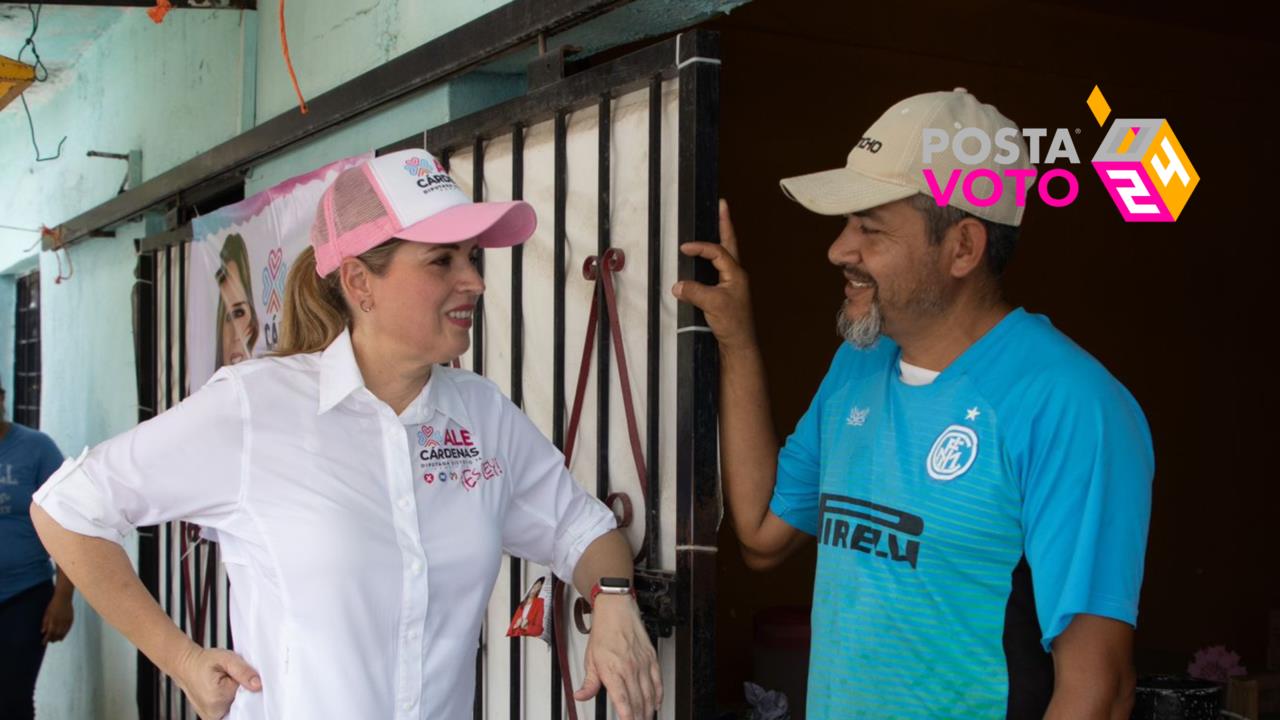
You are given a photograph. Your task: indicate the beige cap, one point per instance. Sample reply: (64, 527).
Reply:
(888, 162)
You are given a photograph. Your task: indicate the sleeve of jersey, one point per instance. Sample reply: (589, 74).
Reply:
(795, 493)
(184, 464)
(550, 520)
(1087, 466)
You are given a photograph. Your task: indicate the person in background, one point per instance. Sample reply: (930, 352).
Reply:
(237, 320)
(34, 609)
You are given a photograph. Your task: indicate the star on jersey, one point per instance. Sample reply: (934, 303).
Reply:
(972, 414)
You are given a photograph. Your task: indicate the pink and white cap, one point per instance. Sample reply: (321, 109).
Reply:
(408, 195)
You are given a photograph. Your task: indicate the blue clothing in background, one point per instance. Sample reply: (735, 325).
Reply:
(27, 458)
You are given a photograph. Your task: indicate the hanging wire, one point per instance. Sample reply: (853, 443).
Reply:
(34, 9)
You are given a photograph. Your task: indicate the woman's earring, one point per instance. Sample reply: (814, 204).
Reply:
(366, 305)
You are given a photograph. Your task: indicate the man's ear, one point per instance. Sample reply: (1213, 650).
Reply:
(966, 243)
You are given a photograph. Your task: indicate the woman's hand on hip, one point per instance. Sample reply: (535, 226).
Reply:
(211, 677)
(621, 658)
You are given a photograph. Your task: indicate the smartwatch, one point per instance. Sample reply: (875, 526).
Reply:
(612, 586)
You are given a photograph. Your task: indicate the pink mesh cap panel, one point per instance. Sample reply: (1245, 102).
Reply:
(351, 220)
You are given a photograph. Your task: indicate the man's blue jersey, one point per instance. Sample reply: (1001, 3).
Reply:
(962, 524)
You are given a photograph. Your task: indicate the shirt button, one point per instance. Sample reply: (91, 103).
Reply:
(416, 567)
(407, 706)
(413, 634)
(404, 503)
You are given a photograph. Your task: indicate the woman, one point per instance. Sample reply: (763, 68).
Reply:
(528, 615)
(362, 553)
(237, 321)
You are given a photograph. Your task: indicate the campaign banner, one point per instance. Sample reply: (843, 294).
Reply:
(240, 257)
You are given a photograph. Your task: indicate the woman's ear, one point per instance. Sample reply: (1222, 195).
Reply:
(354, 276)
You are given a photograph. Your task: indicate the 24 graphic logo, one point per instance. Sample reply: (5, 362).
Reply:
(1143, 166)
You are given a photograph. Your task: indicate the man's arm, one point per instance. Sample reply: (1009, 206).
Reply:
(59, 615)
(1093, 676)
(748, 445)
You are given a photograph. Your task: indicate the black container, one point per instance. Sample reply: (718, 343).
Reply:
(1177, 697)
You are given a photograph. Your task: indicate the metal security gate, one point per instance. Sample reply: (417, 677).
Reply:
(179, 567)
(620, 162)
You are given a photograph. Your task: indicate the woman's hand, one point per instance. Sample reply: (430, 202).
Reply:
(210, 677)
(621, 658)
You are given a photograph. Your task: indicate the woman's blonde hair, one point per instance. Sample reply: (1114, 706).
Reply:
(315, 311)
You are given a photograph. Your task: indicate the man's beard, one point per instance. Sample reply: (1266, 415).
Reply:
(863, 332)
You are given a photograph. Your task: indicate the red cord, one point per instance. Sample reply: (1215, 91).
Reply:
(288, 62)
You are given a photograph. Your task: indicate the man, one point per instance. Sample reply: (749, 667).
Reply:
(979, 486)
(33, 610)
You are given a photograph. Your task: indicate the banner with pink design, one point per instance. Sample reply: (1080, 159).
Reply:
(240, 257)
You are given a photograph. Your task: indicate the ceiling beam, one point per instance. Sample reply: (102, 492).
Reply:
(176, 4)
(502, 30)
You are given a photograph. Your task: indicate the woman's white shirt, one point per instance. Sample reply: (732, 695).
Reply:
(361, 547)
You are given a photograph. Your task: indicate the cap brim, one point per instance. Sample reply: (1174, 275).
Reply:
(490, 224)
(842, 191)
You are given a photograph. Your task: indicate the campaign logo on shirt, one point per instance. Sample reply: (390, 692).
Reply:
(953, 453)
(450, 454)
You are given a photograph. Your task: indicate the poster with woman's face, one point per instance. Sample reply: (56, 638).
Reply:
(240, 258)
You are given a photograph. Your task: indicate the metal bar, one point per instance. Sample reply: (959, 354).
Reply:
(557, 378)
(213, 595)
(516, 590)
(697, 384)
(144, 333)
(477, 366)
(604, 136)
(653, 557)
(177, 236)
(167, 392)
(618, 77)
(477, 327)
(177, 4)
(485, 38)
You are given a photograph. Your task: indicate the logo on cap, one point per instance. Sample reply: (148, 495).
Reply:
(416, 168)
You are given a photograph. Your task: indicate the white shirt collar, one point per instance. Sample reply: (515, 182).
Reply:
(916, 375)
(340, 377)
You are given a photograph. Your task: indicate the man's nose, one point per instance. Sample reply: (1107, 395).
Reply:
(846, 249)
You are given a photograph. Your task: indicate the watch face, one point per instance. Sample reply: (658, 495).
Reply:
(615, 582)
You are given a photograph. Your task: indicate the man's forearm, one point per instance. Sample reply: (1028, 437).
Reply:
(748, 444)
(63, 589)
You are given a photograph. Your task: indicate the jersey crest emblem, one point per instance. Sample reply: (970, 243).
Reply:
(953, 453)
